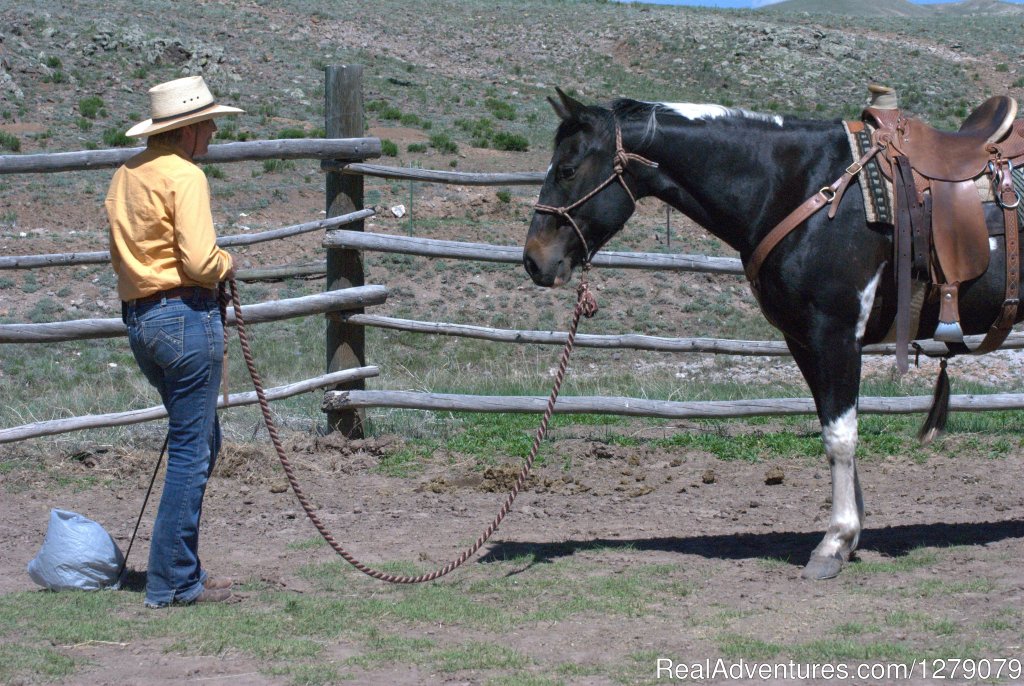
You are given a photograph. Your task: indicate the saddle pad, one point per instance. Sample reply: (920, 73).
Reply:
(877, 189)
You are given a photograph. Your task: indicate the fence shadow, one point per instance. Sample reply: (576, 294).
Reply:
(795, 547)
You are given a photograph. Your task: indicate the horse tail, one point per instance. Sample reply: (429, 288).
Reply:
(935, 423)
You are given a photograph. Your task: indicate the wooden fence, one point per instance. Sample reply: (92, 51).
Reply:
(347, 296)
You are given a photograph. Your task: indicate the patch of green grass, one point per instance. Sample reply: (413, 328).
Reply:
(277, 166)
(91, 107)
(940, 587)
(316, 674)
(407, 460)
(212, 171)
(512, 142)
(67, 618)
(750, 447)
(25, 663)
(115, 138)
(847, 629)
(391, 649)
(265, 632)
(501, 109)
(388, 148)
(736, 646)
(914, 559)
(479, 656)
(838, 650)
(29, 283)
(525, 679)
(292, 132)
(443, 143)
(8, 141)
(308, 544)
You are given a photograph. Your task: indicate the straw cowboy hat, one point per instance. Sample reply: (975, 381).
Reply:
(179, 103)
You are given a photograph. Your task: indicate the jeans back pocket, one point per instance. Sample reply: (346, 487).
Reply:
(164, 340)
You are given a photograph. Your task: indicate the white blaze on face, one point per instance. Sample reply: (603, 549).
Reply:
(705, 111)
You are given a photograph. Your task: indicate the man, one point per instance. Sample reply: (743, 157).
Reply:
(163, 249)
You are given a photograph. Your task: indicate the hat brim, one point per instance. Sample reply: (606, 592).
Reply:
(148, 128)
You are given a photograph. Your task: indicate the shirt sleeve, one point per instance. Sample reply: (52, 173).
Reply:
(201, 259)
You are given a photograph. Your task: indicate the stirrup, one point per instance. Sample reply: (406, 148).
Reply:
(949, 332)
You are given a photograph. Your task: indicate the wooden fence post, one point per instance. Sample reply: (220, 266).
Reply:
(343, 95)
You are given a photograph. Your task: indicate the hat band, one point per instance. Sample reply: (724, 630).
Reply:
(160, 120)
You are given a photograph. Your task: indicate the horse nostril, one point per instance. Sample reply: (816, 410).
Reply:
(530, 265)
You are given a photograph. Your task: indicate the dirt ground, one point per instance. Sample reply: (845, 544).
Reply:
(737, 538)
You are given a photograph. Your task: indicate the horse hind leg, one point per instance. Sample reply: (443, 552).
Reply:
(834, 378)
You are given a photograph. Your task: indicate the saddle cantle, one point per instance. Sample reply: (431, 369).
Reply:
(956, 155)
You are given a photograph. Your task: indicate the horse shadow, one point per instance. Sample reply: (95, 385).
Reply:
(792, 547)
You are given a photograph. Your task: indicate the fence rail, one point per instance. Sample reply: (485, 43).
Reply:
(98, 421)
(258, 313)
(103, 256)
(717, 346)
(643, 407)
(431, 247)
(448, 177)
(291, 148)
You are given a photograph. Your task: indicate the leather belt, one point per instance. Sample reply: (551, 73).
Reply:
(178, 292)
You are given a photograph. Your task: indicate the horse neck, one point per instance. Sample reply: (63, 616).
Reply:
(736, 178)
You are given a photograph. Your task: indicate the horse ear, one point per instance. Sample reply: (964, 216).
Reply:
(566, 107)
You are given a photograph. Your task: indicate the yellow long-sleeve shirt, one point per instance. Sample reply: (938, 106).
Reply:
(161, 228)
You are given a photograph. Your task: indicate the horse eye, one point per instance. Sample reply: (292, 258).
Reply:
(565, 173)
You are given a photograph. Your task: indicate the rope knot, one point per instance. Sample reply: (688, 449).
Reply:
(587, 301)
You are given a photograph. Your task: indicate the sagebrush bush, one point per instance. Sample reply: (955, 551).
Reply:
(8, 141)
(91, 106)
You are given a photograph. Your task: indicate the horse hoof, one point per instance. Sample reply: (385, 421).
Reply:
(822, 567)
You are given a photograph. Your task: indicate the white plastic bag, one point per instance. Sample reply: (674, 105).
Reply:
(77, 553)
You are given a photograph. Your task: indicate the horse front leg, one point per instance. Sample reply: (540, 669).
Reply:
(832, 371)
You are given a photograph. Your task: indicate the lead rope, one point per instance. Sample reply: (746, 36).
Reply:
(586, 306)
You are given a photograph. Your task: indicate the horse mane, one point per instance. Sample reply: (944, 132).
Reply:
(628, 110)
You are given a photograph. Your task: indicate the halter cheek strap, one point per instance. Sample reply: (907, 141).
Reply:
(619, 164)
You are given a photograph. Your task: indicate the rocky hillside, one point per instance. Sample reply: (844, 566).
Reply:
(898, 8)
(451, 64)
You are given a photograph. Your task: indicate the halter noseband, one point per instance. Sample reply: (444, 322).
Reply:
(622, 159)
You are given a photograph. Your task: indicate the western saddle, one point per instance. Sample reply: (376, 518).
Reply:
(940, 229)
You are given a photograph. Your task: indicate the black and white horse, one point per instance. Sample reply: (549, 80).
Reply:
(828, 286)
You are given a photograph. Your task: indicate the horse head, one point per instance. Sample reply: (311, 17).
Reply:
(584, 200)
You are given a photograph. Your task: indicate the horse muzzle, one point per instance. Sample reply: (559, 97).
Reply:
(547, 265)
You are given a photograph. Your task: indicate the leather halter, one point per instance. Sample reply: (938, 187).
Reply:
(622, 159)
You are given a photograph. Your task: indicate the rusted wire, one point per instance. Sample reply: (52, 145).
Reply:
(586, 306)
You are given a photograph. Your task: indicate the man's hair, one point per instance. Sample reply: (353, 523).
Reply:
(166, 138)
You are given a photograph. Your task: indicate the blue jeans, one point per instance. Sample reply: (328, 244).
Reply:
(179, 345)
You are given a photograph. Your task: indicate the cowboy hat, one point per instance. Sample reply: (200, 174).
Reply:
(179, 103)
